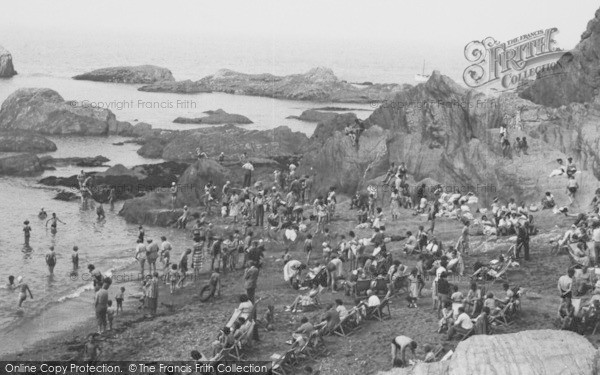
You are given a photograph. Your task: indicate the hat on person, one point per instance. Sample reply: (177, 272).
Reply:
(173, 183)
(325, 244)
(19, 279)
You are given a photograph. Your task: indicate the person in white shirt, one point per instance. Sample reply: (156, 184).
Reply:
(463, 323)
(565, 284)
(596, 239)
(400, 344)
(373, 300)
(341, 309)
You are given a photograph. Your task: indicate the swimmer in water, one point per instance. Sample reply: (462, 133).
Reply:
(24, 290)
(26, 231)
(100, 212)
(51, 260)
(54, 219)
(11, 283)
(43, 214)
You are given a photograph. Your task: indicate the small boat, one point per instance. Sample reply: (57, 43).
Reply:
(422, 77)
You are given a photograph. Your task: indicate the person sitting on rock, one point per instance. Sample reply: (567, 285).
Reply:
(571, 168)
(548, 201)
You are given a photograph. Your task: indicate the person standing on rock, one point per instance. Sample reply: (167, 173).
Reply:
(26, 232)
(248, 167)
(173, 194)
(112, 197)
(572, 187)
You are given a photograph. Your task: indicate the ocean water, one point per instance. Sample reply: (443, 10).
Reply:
(50, 60)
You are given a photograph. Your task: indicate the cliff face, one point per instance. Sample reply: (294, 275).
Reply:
(445, 132)
(578, 78)
(44, 111)
(129, 74)
(7, 69)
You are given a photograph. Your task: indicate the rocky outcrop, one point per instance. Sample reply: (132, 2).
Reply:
(179, 87)
(48, 162)
(575, 78)
(550, 352)
(445, 132)
(16, 142)
(7, 69)
(217, 117)
(229, 139)
(311, 115)
(19, 164)
(318, 84)
(44, 111)
(144, 74)
(128, 183)
(154, 207)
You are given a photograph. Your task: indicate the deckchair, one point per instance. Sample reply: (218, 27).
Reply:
(281, 363)
(464, 335)
(499, 275)
(503, 316)
(378, 312)
(344, 328)
(381, 287)
(361, 287)
(241, 343)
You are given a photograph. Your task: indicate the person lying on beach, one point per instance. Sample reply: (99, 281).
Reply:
(24, 290)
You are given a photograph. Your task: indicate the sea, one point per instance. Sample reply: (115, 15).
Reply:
(63, 300)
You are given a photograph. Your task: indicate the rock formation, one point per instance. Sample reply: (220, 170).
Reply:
(217, 117)
(48, 162)
(128, 183)
(318, 84)
(17, 142)
(445, 132)
(229, 139)
(19, 164)
(44, 111)
(144, 74)
(550, 352)
(311, 115)
(154, 207)
(180, 87)
(7, 69)
(576, 78)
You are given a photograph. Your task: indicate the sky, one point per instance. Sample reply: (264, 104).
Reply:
(425, 21)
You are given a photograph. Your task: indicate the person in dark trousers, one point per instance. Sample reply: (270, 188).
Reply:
(250, 279)
(260, 209)
(522, 240)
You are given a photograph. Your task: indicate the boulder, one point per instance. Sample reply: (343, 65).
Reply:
(318, 84)
(128, 183)
(180, 87)
(155, 207)
(311, 115)
(217, 117)
(17, 142)
(19, 164)
(144, 74)
(7, 69)
(44, 111)
(549, 352)
(87, 162)
(575, 79)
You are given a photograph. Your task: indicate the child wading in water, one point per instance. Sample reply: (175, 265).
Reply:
(110, 315)
(119, 299)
